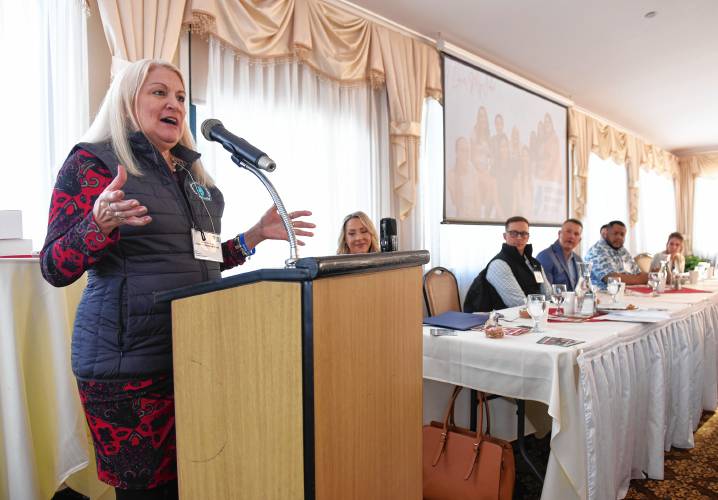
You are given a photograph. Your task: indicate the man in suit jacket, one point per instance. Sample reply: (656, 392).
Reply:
(560, 261)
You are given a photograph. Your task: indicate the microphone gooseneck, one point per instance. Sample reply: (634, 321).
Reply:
(250, 158)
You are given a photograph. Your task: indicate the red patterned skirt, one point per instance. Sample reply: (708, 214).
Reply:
(133, 428)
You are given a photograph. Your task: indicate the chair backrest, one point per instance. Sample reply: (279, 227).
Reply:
(441, 291)
(644, 261)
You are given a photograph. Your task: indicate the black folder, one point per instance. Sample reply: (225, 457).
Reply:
(455, 320)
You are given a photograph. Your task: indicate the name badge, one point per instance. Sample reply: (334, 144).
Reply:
(538, 276)
(209, 248)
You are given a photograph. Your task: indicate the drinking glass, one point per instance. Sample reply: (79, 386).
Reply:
(536, 306)
(654, 280)
(613, 285)
(558, 292)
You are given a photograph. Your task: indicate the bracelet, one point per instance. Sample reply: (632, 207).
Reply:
(242, 245)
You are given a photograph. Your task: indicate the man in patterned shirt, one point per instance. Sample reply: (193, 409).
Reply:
(610, 258)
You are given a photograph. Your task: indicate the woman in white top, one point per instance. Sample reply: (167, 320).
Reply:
(673, 254)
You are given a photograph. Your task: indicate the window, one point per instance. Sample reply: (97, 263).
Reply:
(607, 198)
(705, 206)
(45, 105)
(656, 211)
(329, 142)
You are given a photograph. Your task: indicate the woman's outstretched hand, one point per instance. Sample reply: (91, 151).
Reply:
(270, 227)
(111, 210)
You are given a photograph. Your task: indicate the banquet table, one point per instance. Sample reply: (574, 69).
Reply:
(617, 401)
(43, 436)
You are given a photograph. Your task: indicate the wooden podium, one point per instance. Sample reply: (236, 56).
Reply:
(302, 383)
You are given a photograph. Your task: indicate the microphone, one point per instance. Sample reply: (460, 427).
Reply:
(213, 130)
(388, 240)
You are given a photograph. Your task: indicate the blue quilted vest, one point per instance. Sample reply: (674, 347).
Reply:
(120, 333)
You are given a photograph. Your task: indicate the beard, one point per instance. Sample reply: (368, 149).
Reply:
(613, 246)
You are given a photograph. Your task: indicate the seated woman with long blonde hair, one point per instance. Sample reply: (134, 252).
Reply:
(358, 235)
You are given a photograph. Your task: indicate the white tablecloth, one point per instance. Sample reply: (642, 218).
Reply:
(646, 390)
(616, 400)
(42, 427)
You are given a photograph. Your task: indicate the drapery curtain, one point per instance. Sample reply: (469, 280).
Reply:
(340, 46)
(140, 29)
(330, 143)
(410, 67)
(334, 43)
(43, 46)
(588, 135)
(692, 167)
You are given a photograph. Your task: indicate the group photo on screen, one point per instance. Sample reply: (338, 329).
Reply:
(504, 150)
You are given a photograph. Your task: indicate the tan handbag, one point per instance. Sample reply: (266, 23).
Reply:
(463, 465)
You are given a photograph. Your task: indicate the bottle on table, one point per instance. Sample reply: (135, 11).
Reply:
(585, 294)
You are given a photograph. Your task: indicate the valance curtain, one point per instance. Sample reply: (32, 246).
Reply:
(342, 47)
(140, 29)
(588, 135)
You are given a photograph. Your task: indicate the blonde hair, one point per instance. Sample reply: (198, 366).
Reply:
(343, 248)
(117, 119)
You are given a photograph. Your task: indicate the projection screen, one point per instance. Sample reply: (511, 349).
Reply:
(504, 150)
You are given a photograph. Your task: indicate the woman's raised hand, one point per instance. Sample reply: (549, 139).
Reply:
(111, 210)
(270, 227)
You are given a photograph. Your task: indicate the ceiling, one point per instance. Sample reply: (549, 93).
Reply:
(656, 77)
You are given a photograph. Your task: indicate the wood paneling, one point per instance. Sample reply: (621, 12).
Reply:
(238, 391)
(368, 386)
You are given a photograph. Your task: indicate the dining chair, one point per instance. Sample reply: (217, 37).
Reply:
(644, 261)
(441, 291)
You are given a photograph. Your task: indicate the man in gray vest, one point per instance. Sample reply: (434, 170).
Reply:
(559, 261)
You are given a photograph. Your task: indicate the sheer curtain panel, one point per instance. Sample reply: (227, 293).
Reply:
(705, 236)
(44, 85)
(329, 142)
(656, 213)
(606, 199)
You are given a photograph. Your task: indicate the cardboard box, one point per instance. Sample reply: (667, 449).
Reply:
(15, 247)
(10, 224)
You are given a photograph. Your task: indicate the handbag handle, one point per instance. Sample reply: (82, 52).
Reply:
(481, 403)
(448, 421)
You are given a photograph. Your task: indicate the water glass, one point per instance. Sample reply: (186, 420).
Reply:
(613, 285)
(558, 295)
(654, 281)
(536, 305)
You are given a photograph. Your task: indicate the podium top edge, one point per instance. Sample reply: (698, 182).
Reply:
(306, 269)
(356, 263)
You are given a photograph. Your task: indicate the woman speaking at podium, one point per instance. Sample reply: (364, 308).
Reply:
(133, 206)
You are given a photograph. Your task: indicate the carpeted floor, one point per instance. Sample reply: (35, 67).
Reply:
(689, 474)
(527, 486)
